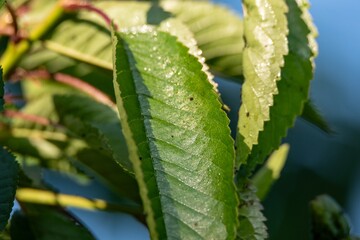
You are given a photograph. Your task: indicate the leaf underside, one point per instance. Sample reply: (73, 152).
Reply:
(9, 169)
(168, 109)
(265, 31)
(293, 87)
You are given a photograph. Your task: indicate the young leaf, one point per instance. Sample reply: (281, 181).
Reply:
(251, 219)
(9, 170)
(270, 172)
(168, 109)
(265, 30)
(328, 220)
(293, 87)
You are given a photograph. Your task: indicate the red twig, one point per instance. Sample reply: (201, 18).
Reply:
(72, 5)
(85, 87)
(9, 31)
(70, 81)
(15, 37)
(12, 98)
(28, 117)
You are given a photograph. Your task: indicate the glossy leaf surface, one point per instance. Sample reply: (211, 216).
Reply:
(183, 164)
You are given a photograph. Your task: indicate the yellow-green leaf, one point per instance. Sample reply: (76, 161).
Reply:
(265, 31)
(293, 88)
(270, 172)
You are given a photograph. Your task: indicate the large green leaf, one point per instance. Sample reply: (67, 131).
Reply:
(183, 164)
(265, 31)
(251, 226)
(9, 169)
(48, 223)
(293, 88)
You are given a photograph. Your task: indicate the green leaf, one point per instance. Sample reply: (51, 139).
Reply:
(293, 88)
(47, 223)
(251, 226)
(9, 170)
(2, 3)
(270, 172)
(311, 114)
(183, 164)
(99, 126)
(101, 120)
(328, 219)
(265, 31)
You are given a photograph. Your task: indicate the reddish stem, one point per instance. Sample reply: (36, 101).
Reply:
(15, 37)
(11, 98)
(70, 81)
(71, 5)
(27, 117)
(85, 87)
(9, 31)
